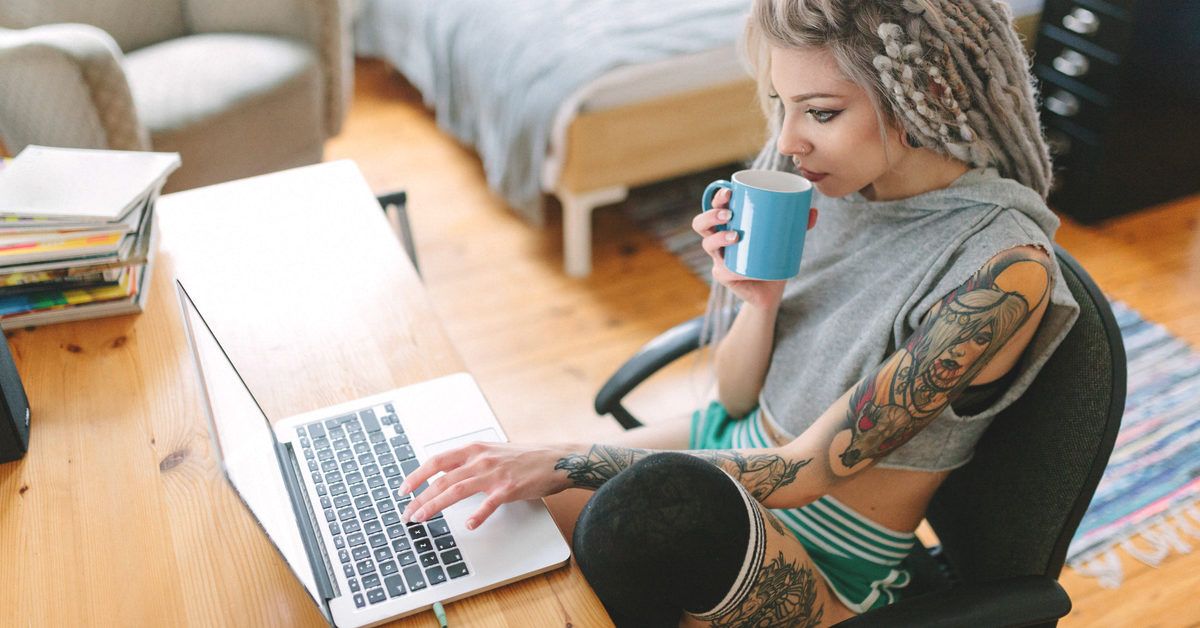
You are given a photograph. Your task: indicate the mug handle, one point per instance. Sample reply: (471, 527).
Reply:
(710, 192)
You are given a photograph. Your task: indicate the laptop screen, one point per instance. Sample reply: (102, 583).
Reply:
(245, 445)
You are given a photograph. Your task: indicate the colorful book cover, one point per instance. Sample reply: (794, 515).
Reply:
(19, 304)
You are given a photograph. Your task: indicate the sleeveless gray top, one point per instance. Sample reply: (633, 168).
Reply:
(871, 271)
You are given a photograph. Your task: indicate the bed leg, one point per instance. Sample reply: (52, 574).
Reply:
(577, 225)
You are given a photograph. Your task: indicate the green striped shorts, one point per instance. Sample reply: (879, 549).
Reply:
(859, 558)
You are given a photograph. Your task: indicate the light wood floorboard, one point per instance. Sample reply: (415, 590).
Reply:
(542, 344)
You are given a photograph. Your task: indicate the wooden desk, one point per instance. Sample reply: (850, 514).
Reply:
(119, 514)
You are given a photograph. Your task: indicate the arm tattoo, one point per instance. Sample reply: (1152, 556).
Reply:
(784, 594)
(760, 474)
(963, 332)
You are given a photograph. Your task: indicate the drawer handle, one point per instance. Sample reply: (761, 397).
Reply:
(1071, 63)
(1063, 103)
(1081, 21)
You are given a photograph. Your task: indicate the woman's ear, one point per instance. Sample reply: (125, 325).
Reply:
(909, 140)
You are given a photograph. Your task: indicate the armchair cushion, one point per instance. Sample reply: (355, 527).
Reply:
(246, 101)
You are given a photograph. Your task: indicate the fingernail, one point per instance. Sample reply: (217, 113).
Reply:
(403, 488)
(731, 236)
(418, 516)
(471, 523)
(724, 214)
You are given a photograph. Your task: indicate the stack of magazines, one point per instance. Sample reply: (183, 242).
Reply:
(77, 232)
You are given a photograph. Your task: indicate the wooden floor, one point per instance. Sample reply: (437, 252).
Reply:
(542, 344)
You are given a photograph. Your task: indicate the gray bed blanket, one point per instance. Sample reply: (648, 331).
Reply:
(496, 71)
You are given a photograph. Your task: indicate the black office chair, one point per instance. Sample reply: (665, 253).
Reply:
(399, 202)
(1004, 519)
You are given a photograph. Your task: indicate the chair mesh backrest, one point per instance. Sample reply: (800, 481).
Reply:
(1013, 509)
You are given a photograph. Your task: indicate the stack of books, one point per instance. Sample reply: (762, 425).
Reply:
(77, 232)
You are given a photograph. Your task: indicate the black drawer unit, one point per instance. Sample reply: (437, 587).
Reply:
(1120, 87)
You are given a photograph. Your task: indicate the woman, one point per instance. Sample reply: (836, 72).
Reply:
(927, 301)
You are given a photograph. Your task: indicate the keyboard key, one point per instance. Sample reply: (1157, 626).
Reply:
(445, 542)
(344, 556)
(362, 448)
(353, 427)
(352, 526)
(370, 469)
(374, 481)
(414, 577)
(312, 466)
(349, 466)
(359, 602)
(451, 556)
(396, 532)
(388, 568)
(337, 432)
(382, 449)
(369, 420)
(368, 514)
(394, 585)
(357, 437)
(371, 581)
(386, 458)
(348, 569)
(377, 437)
(392, 471)
(406, 558)
(321, 489)
(317, 478)
(385, 505)
(378, 540)
(362, 502)
(372, 527)
(354, 585)
(332, 423)
(416, 531)
(423, 545)
(379, 493)
(358, 489)
(340, 443)
(438, 528)
(329, 515)
(308, 455)
(383, 554)
(366, 459)
(376, 596)
(345, 514)
(337, 489)
(405, 452)
(339, 542)
(325, 454)
(457, 571)
(316, 430)
(366, 567)
(399, 440)
(435, 575)
(325, 503)
(329, 465)
(354, 478)
(300, 431)
(334, 528)
(408, 466)
(389, 408)
(429, 560)
(304, 443)
(400, 545)
(342, 456)
(341, 501)
(361, 552)
(391, 517)
(358, 538)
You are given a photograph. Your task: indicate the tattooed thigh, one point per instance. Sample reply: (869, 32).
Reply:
(778, 586)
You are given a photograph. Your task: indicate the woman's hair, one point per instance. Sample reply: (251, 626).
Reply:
(950, 73)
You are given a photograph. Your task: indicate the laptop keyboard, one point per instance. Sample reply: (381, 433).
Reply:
(357, 463)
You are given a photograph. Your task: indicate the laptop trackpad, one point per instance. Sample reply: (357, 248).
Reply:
(486, 435)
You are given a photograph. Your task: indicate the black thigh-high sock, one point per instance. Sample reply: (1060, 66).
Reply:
(667, 535)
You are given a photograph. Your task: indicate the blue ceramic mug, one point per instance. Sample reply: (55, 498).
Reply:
(770, 215)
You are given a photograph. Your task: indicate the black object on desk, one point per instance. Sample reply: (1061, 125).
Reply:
(14, 410)
(1120, 87)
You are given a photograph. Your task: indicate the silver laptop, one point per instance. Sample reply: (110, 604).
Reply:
(322, 485)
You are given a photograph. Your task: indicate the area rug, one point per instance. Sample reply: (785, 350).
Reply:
(1146, 502)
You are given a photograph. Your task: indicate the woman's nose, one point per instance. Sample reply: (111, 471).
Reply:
(792, 143)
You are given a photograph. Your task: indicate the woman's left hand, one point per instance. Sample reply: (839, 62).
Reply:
(504, 471)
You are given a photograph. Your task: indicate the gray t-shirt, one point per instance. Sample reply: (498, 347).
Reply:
(872, 270)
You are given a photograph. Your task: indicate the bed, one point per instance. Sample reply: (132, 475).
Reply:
(579, 99)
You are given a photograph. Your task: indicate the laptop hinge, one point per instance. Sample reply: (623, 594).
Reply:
(313, 545)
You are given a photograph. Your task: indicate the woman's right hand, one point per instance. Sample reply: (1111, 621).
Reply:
(755, 292)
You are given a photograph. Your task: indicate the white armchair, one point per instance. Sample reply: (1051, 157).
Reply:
(237, 88)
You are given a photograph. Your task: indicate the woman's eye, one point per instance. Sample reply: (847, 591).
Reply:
(773, 96)
(822, 115)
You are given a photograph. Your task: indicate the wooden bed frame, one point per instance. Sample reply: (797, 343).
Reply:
(609, 151)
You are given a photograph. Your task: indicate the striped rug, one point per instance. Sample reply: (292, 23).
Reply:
(1147, 500)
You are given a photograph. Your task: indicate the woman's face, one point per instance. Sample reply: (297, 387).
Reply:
(830, 128)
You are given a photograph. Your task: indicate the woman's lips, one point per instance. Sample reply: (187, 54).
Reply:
(813, 176)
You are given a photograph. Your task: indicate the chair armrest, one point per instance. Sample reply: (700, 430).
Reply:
(322, 24)
(1020, 601)
(664, 349)
(62, 85)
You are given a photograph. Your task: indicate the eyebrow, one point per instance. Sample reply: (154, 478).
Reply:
(804, 97)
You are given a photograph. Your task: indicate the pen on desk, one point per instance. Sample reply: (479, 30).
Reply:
(441, 614)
